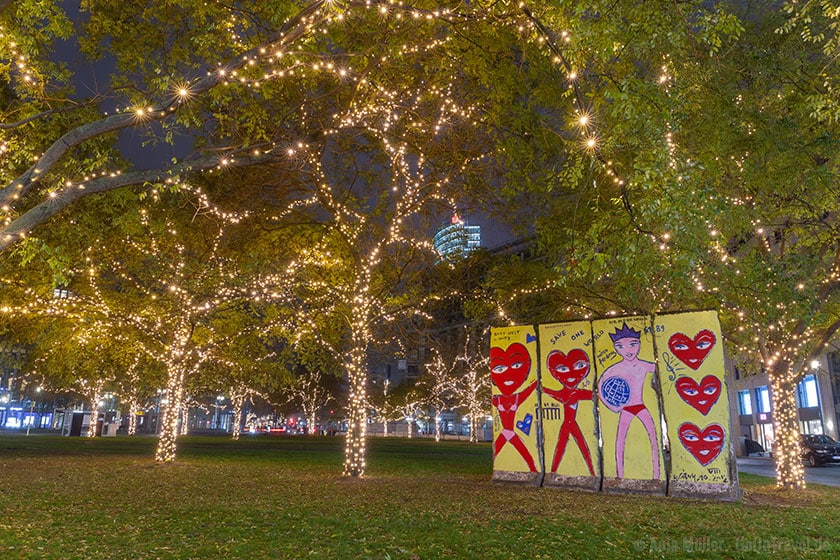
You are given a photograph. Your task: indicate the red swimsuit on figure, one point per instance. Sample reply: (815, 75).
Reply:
(569, 370)
(509, 369)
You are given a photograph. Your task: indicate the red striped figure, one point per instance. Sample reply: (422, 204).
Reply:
(569, 370)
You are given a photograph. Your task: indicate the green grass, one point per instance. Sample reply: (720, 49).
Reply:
(276, 498)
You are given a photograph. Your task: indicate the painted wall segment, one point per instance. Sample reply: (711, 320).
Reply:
(628, 403)
(569, 423)
(585, 403)
(695, 403)
(516, 423)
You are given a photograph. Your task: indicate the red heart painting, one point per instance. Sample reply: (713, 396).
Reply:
(692, 351)
(509, 368)
(569, 368)
(701, 396)
(705, 445)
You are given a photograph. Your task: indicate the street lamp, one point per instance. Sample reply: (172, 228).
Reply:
(31, 410)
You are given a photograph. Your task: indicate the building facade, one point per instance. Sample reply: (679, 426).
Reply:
(817, 400)
(456, 239)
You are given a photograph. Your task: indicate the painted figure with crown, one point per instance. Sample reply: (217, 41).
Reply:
(621, 389)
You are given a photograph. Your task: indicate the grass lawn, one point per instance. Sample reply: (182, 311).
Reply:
(274, 498)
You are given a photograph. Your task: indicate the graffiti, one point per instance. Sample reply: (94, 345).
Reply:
(588, 401)
(509, 369)
(671, 365)
(694, 402)
(569, 369)
(621, 388)
(701, 396)
(692, 351)
(704, 444)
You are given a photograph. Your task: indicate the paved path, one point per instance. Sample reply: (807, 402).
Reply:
(764, 466)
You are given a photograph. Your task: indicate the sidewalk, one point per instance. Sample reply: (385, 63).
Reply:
(765, 466)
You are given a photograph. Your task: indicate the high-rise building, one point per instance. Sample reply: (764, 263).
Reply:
(456, 239)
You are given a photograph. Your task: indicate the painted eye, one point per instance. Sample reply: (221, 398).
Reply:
(703, 344)
(501, 368)
(562, 369)
(516, 365)
(691, 392)
(680, 346)
(710, 390)
(691, 436)
(581, 365)
(712, 438)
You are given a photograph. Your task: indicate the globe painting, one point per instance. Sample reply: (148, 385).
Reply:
(615, 391)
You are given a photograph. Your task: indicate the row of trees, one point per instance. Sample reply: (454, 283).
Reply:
(667, 157)
(454, 380)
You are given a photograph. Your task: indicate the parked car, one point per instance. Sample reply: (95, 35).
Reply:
(819, 449)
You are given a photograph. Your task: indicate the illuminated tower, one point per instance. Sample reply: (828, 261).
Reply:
(456, 239)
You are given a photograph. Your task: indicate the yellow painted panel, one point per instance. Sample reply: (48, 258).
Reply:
(513, 372)
(628, 405)
(694, 397)
(567, 380)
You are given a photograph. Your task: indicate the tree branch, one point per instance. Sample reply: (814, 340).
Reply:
(18, 228)
(290, 32)
(92, 101)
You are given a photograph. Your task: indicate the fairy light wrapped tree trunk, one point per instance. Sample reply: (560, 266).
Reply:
(169, 428)
(184, 422)
(94, 390)
(789, 470)
(130, 392)
(474, 388)
(354, 454)
(238, 401)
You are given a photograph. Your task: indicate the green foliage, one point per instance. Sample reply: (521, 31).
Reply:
(818, 23)
(712, 184)
(44, 22)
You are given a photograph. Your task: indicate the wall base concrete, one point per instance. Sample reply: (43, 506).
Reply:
(527, 478)
(633, 486)
(704, 491)
(586, 483)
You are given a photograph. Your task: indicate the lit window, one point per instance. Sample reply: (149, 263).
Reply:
(745, 403)
(763, 394)
(808, 397)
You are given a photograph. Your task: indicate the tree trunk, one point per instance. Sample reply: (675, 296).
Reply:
(437, 426)
(789, 470)
(473, 427)
(133, 406)
(184, 427)
(95, 397)
(354, 451)
(168, 437)
(238, 404)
